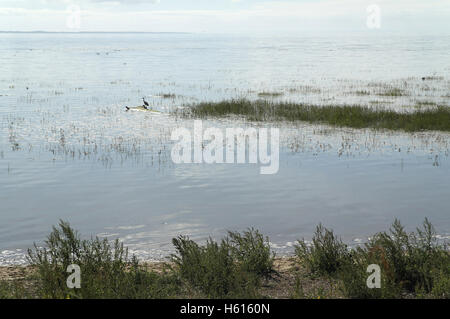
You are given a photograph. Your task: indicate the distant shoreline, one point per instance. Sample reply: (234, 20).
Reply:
(90, 32)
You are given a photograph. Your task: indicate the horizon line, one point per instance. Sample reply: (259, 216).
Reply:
(40, 31)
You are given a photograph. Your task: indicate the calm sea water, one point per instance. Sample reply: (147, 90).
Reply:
(69, 151)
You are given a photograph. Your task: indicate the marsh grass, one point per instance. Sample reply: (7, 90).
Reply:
(167, 95)
(362, 92)
(304, 89)
(353, 116)
(270, 94)
(393, 92)
(425, 103)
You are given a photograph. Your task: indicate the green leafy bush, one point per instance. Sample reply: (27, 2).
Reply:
(106, 270)
(327, 253)
(229, 269)
(412, 265)
(353, 276)
(12, 290)
(412, 262)
(252, 251)
(441, 284)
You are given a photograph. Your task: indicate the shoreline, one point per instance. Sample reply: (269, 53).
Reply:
(15, 272)
(280, 286)
(241, 265)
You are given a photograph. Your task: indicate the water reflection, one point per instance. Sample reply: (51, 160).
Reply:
(69, 151)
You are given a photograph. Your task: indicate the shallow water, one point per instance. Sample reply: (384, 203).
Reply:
(69, 151)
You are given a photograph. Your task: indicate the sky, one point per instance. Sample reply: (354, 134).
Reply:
(228, 16)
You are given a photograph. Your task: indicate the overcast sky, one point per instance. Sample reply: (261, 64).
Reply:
(225, 16)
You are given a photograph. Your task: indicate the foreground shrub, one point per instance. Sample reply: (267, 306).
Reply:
(353, 276)
(252, 251)
(411, 264)
(232, 268)
(441, 284)
(106, 270)
(12, 290)
(326, 254)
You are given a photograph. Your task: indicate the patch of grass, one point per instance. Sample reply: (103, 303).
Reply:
(425, 103)
(342, 116)
(232, 268)
(305, 89)
(394, 92)
(167, 95)
(270, 94)
(362, 92)
(106, 270)
(375, 102)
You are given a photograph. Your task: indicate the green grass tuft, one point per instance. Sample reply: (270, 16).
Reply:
(341, 116)
(270, 94)
(394, 92)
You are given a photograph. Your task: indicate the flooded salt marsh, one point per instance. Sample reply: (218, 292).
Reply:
(68, 149)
